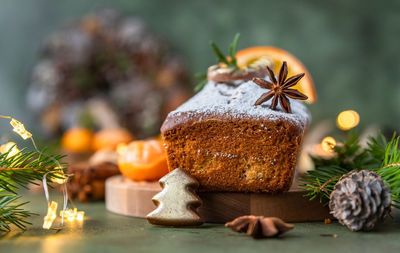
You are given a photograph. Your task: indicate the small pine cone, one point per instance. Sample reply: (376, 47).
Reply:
(359, 200)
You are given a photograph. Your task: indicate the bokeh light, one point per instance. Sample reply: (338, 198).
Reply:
(328, 143)
(347, 120)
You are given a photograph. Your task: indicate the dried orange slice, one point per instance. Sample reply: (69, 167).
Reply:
(143, 160)
(251, 55)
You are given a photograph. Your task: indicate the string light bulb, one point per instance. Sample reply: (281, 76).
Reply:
(80, 215)
(11, 148)
(19, 128)
(60, 178)
(72, 215)
(347, 120)
(51, 215)
(328, 143)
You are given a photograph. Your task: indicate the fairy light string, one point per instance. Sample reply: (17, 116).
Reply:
(61, 178)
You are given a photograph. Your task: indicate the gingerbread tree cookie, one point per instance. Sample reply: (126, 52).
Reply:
(177, 202)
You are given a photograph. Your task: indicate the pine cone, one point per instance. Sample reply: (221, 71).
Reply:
(359, 200)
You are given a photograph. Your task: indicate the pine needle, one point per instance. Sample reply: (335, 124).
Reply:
(380, 156)
(17, 171)
(390, 169)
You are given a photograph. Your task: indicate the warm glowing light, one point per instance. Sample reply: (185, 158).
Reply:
(10, 147)
(328, 143)
(80, 215)
(51, 215)
(61, 177)
(72, 215)
(59, 180)
(19, 128)
(347, 120)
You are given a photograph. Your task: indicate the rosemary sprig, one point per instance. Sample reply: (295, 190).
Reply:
(230, 61)
(233, 50)
(380, 156)
(202, 77)
(221, 58)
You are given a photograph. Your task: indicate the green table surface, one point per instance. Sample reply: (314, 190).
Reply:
(103, 231)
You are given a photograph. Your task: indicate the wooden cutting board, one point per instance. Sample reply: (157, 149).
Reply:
(131, 198)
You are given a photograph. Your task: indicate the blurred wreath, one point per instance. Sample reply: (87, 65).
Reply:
(103, 71)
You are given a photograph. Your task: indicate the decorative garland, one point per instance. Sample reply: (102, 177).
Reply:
(357, 180)
(18, 168)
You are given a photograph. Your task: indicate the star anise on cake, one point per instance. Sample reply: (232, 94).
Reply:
(280, 89)
(259, 226)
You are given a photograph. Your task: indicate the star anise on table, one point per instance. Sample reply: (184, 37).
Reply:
(280, 89)
(259, 226)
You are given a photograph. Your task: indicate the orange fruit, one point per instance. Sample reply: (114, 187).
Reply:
(111, 138)
(143, 160)
(77, 140)
(249, 55)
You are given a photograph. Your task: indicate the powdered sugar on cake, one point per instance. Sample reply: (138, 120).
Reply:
(237, 101)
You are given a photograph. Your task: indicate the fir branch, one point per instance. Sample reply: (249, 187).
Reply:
(377, 146)
(12, 214)
(390, 169)
(320, 182)
(17, 171)
(24, 168)
(380, 156)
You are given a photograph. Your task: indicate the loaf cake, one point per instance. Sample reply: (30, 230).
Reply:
(220, 137)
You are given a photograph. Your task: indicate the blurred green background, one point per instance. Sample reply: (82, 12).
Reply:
(351, 48)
